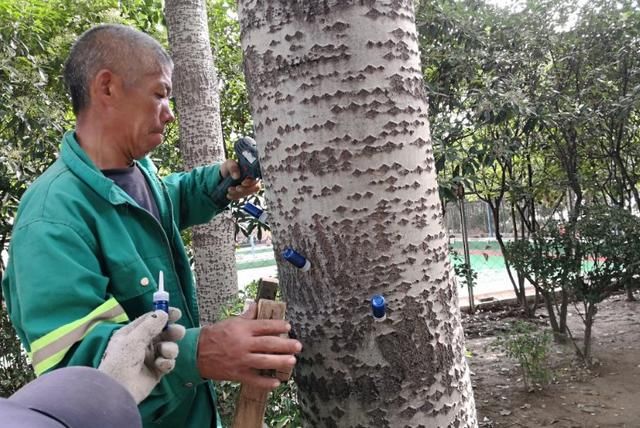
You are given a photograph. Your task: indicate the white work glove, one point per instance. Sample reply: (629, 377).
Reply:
(140, 353)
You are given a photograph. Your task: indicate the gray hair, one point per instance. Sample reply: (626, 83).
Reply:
(119, 48)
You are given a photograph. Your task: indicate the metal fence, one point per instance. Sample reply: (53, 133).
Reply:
(485, 255)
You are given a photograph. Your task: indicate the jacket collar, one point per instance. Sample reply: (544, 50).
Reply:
(76, 159)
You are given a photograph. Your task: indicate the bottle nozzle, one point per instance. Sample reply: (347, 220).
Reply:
(160, 295)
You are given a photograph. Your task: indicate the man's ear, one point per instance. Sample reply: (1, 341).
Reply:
(104, 87)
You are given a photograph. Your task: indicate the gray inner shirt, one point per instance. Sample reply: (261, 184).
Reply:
(132, 181)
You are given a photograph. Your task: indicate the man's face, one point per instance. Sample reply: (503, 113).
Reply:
(144, 112)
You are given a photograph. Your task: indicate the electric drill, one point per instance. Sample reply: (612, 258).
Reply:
(247, 153)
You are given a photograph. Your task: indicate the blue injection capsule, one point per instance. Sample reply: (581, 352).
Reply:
(296, 259)
(256, 212)
(378, 308)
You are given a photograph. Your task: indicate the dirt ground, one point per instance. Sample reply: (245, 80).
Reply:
(607, 395)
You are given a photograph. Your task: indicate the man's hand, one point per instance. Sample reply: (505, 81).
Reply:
(140, 353)
(246, 188)
(238, 348)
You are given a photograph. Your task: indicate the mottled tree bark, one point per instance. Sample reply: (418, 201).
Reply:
(196, 94)
(341, 122)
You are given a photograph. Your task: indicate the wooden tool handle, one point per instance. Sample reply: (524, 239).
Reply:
(252, 402)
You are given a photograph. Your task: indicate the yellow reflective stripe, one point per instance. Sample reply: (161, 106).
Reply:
(65, 329)
(51, 348)
(51, 361)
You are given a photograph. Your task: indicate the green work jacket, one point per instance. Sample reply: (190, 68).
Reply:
(84, 259)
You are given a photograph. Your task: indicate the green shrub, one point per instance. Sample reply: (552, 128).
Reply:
(530, 347)
(15, 370)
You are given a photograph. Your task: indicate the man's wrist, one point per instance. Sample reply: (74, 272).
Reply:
(187, 368)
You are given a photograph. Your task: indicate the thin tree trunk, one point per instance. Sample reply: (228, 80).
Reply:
(465, 250)
(629, 289)
(196, 93)
(340, 115)
(588, 325)
(519, 291)
(553, 321)
(564, 304)
(628, 180)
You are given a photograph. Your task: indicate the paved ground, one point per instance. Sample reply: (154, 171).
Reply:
(245, 276)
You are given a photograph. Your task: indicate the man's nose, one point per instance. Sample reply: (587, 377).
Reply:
(167, 115)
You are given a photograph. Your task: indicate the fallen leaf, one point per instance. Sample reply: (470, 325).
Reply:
(587, 409)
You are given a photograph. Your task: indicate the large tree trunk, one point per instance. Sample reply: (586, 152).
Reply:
(341, 122)
(196, 93)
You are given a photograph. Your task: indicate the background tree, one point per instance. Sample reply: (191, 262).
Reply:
(341, 118)
(196, 92)
(224, 30)
(479, 66)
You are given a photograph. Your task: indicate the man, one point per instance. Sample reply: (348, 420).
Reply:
(94, 231)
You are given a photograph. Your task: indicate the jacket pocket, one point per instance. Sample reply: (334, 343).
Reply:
(133, 283)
